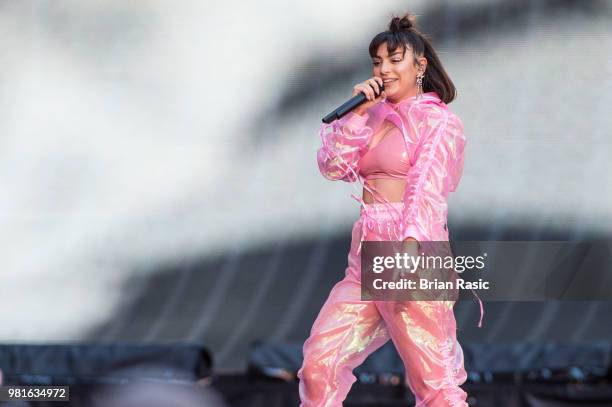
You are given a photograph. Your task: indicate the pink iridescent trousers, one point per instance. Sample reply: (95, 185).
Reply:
(348, 329)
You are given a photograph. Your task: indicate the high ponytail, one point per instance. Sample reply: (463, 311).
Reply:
(403, 32)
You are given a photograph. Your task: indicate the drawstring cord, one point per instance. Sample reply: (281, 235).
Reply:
(481, 308)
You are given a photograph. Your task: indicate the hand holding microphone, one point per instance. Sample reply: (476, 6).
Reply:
(365, 95)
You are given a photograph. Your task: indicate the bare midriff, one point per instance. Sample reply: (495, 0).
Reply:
(391, 189)
(388, 187)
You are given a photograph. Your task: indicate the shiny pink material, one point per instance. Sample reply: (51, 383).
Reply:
(434, 141)
(387, 159)
(348, 329)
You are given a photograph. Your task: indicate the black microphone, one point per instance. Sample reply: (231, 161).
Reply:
(348, 106)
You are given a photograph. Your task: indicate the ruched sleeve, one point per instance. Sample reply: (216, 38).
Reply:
(343, 143)
(436, 170)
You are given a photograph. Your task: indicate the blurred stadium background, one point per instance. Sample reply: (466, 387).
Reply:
(158, 180)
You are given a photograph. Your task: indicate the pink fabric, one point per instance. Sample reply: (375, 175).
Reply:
(387, 159)
(434, 141)
(348, 329)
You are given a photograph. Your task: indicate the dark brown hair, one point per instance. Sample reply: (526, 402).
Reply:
(403, 32)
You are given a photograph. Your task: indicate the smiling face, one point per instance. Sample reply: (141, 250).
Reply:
(399, 71)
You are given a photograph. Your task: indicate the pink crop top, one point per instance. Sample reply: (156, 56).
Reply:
(387, 159)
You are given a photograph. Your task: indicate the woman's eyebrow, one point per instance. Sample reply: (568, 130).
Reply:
(395, 53)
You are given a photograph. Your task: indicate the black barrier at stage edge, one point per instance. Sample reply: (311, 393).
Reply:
(499, 375)
(241, 391)
(262, 387)
(103, 363)
(484, 362)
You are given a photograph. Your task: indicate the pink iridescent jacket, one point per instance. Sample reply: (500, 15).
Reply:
(435, 143)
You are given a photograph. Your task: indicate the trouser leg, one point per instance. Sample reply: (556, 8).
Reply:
(345, 332)
(424, 334)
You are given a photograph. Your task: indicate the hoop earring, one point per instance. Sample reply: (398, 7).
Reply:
(420, 86)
